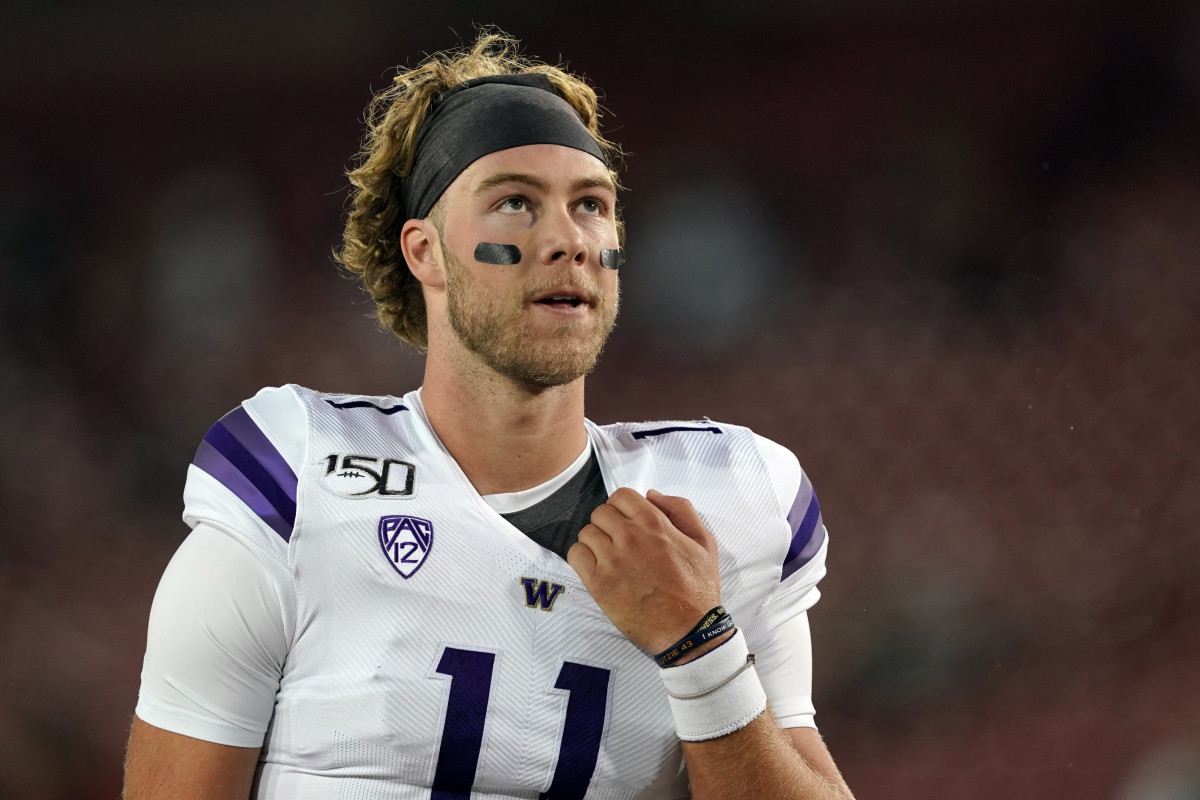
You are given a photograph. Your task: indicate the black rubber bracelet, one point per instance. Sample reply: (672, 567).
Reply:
(713, 624)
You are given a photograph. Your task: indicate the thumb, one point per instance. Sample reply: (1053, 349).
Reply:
(682, 514)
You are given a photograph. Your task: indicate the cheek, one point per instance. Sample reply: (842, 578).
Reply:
(465, 240)
(461, 241)
(602, 231)
(494, 286)
(610, 282)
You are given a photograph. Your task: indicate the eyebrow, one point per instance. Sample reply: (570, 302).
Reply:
(499, 178)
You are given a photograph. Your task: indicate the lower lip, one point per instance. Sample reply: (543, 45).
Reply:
(564, 309)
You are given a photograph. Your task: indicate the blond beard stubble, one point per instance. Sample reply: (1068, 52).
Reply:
(504, 340)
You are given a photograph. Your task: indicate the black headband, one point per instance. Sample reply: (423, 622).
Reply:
(482, 116)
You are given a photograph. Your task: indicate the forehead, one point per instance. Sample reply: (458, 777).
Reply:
(555, 165)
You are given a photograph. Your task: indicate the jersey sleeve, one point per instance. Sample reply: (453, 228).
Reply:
(784, 657)
(220, 626)
(244, 473)
(803, 563)
(784, 665)
(223, 616)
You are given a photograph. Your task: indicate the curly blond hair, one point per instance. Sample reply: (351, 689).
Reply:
(371, 241)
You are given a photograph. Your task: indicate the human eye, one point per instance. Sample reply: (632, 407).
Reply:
(513, 205)
(593, 206)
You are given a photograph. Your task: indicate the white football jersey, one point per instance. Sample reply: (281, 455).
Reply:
(426, 648)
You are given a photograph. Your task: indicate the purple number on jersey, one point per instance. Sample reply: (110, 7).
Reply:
(582, 730)
(462, 731)
(462, 734)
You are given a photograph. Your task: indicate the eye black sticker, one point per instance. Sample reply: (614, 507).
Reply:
(611, 258)
(492, 253)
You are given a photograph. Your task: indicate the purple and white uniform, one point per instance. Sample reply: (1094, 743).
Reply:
(348, 602)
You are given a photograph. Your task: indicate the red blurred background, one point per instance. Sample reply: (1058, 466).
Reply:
(947, 253)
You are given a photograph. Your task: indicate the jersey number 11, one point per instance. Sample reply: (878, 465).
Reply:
(470, 672)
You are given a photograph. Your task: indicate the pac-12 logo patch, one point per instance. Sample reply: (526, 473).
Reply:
(406, 541)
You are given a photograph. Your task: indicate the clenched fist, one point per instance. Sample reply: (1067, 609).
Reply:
(650, 564)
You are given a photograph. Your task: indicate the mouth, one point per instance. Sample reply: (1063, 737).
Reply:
(563, 299)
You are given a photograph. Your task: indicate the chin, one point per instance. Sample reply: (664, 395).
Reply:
(542, 376)
(556, 368)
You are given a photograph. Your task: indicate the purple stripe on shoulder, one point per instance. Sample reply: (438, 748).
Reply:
(246, 430)
(209, 459)
(806, 541)
(806, 553)
(282, 498)
(804, 496)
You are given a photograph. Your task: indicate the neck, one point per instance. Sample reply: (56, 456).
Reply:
(505, 436)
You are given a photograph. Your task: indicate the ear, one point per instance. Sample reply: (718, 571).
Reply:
(422, 249)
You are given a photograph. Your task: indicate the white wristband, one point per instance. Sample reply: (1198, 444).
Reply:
(716, 694)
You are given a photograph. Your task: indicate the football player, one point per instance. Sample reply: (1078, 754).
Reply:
(470, 590)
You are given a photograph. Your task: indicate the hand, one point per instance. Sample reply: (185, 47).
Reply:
(650, 564)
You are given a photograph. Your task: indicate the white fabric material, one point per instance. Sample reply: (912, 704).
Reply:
(784, 662)
(226, 699)
(784, 469)
(706, 703)
(784, 665)
(322, 644)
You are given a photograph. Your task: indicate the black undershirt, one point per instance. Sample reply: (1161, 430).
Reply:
(555, 522)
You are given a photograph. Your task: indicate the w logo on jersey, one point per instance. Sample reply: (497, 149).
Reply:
(541, 594)
(406, 541)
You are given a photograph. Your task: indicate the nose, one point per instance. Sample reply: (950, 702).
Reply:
(562, 242)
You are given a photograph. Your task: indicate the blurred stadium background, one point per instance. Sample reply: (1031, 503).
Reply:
(947, 252)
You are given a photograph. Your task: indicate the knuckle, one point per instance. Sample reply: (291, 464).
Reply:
(650, 520)
(630, 530)
(624, 493)
(613, 529)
